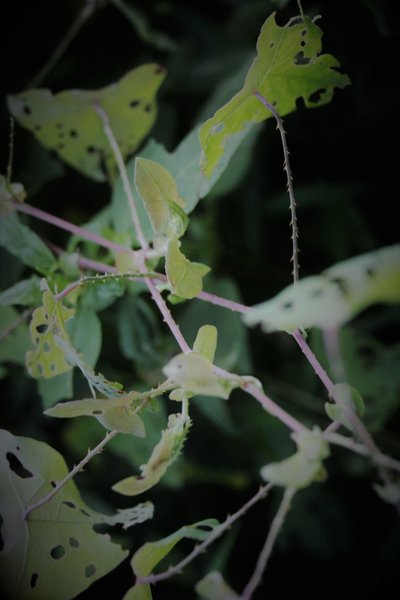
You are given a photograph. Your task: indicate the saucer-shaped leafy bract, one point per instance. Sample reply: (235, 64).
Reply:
(68, 123)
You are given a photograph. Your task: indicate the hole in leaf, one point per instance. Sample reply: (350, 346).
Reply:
(341, 284)
(316, 96)
(34, 578)
(73, 133)
(40, 368)
(52, 367)
(27, 110)
(46, 347)
(148, 108)
(73, 542)
(57, 552)
(303, 33)
(271, 45)
(68, 503)
(17, 467)
(134, 103)
(302, 43)
(370, 271)
(287, 305)
(97, 412)
(42, 328)
(90, 149)
(300, 59)
(90, 570)
(53, 484)
(84, 512)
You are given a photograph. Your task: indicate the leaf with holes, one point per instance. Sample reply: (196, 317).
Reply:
(150, 554)
(113, 413)
(68, 123)
(48, 359)
(288, 66)
(184, 277)
(56, 548)
(160, 196)
(163, 455)
(334, 297)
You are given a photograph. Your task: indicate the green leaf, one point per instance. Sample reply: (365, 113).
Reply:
(113, 413)
(152, 553)
(161, 198)
(23, 243)
(47, 359)
(68, 123)
(85, 332)
(334, 297)
(25, 293)
(163, 455)
(206, 341)
(14, 345)
(304, 467)
(346, 398)
(193, 372)
(57, 547)
(288, 66)
(57, 388)
(214, 587)
(185, 277)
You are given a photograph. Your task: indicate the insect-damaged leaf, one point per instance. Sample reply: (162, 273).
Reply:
(288, 66)
(68, 123)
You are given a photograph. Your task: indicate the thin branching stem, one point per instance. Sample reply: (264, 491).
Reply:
(266, 552)
(214, 535)
(290, 188)
(80, 20)
(351, 444)
(79, 467)
(124, 176)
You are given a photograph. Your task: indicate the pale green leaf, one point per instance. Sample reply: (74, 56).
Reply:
(57, 547)
(68, 123)
(185, 277)
(302, 468)
(214, 587)
(86, 335)
(152, 553)
(47, 359)
(163, 455)
(193, 372)
(113, 413)
(57, 388)
(334, 297)
(288, 66)
(206, 341)
(161, 198)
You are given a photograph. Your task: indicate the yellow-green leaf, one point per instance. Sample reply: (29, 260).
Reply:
(184, 277)
(68, 123)
(206, 341)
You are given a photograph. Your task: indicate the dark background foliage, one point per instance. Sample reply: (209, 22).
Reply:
(345, 174)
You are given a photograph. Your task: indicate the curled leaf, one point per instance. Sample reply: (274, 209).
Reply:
(184, 277)
(163, 455)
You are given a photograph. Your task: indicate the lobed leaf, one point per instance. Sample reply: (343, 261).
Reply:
(288, 66)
